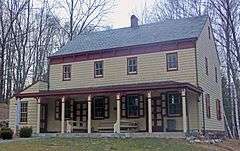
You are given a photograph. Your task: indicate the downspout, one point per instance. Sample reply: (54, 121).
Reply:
(203, 115)
(48, 74)
(197, 83)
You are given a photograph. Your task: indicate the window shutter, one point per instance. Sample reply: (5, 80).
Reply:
(58, 109)
(71, 114)
(208, 108)
(92, 109)
(106, 103)
(164, 104)
(218, 109)
(141, 106)
(123, 106)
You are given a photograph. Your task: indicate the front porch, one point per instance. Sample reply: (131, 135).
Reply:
(136, 110)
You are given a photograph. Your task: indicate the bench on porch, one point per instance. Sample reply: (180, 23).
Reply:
(125, 126)
(76, 126)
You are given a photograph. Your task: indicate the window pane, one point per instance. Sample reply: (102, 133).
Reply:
(66, 72)
(132, 65)
(23, 113)
(99, 107)
(98, 68)
(174, 104)
(132, 105)
(172, 61)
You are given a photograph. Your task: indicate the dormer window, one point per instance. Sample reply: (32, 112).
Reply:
(66, 72)
(172, 61)
(132, 65)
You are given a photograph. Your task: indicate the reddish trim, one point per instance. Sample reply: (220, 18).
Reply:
(115, 88)
(124, 51)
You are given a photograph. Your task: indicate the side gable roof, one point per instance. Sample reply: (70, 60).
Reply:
(164, 31)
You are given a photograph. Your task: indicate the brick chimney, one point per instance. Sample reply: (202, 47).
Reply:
(134, 21)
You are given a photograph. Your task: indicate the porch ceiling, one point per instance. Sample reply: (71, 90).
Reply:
(114, 88)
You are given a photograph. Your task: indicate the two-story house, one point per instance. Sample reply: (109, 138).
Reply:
(159, 77)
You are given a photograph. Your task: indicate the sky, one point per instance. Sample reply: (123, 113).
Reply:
(121, 13)
(124, 9)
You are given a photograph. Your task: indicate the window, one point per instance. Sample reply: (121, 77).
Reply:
(218, 109)
(172, 61)
(98, 69)
(208, 107)
(206, 65)
(132, 65)
(58, 109)
(216, 74)
(209, 32)
(132, 102)
(100, 107)
(24, 112)
(174, 104)
(68, 109)
(66, 72)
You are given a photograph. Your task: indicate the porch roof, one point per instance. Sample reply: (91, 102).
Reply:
(113, 88)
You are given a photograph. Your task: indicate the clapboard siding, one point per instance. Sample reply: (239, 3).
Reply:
(32, 107)
(4, 111)
(32, 113)
(206, 48)
(193, 112)
(151, 67)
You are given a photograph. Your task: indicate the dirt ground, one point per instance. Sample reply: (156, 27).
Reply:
(227, 145)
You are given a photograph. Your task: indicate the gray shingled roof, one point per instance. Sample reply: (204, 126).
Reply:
(149, 33)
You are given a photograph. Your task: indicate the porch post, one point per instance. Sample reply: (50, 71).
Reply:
(38, 114)
(149, 112)
(89, 113)
(184, 111)
(118, 112)
(63, 115)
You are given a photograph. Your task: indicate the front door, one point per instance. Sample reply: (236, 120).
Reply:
(43, 118)
(80, 115)
(157, 118)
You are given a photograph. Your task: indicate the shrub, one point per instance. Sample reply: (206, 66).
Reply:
(25, 132)
(6, 133)
(4, 124)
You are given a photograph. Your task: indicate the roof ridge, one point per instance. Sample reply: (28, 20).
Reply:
(166, 30)
(147, 24)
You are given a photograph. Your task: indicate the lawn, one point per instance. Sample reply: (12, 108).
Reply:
(87, 144)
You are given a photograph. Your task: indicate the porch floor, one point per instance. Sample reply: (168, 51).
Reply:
(114, 135)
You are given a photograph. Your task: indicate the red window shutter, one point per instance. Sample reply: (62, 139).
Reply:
(218, 109)
(208, 108)
(58, 109)
(123, 106)
(106, 107)
(141, 106)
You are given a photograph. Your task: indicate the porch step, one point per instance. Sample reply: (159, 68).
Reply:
(114, 135)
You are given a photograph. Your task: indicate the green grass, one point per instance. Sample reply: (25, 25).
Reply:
(85, 144)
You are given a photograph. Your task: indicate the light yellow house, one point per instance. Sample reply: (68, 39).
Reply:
(161, 77)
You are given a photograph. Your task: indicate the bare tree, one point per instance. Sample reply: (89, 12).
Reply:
(82, 14)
